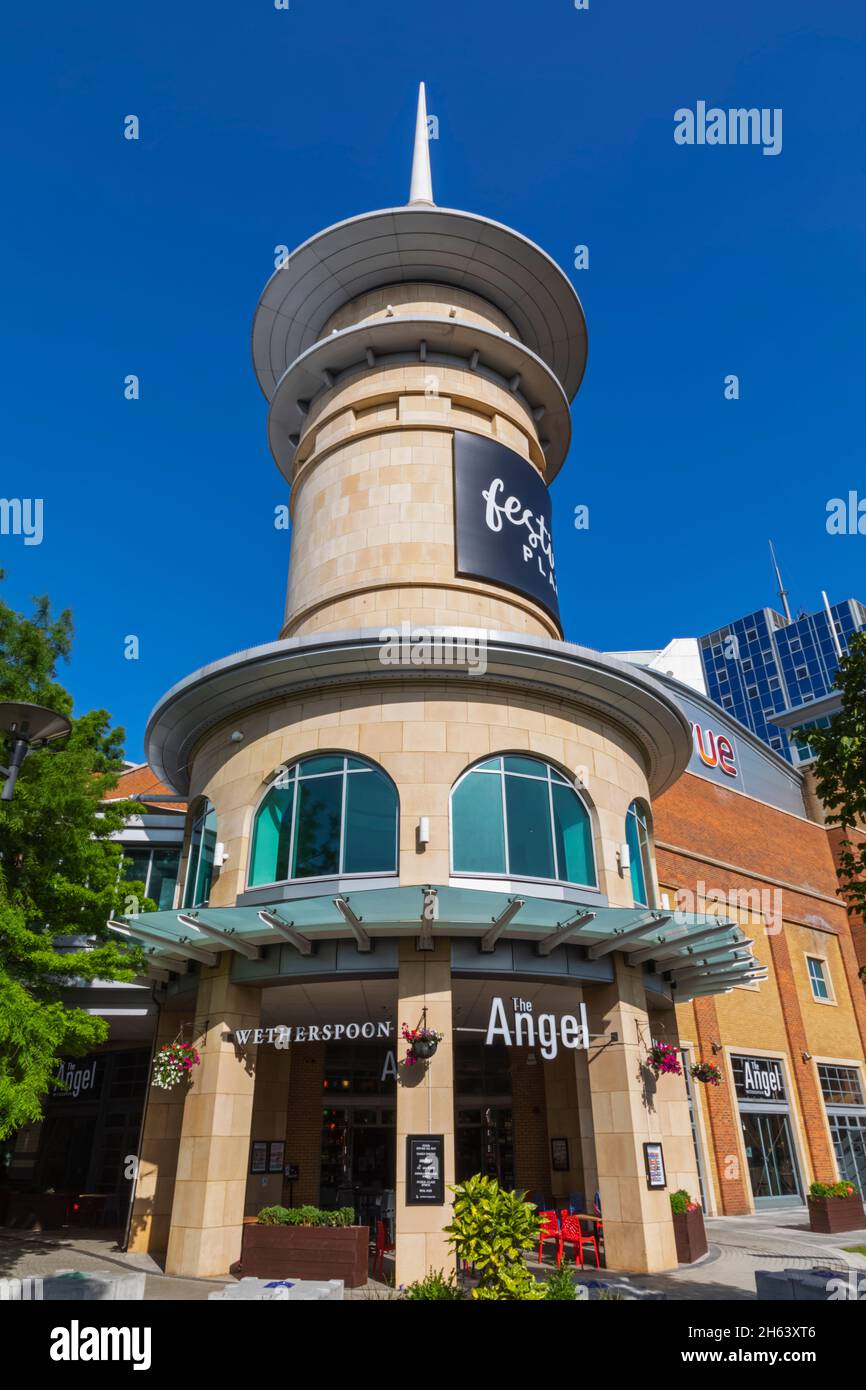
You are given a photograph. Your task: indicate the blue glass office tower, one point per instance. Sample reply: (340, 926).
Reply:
(763, 665)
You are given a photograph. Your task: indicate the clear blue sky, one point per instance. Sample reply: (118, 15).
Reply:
(260, 127)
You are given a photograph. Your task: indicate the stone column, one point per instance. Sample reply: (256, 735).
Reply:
(425, 1105)
(160, 1141)
(638, 1229)
(208, 1208)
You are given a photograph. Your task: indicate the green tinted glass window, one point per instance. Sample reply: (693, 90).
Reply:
(477, 828)
(328, 815)
(318, 826)
(530, 845)
(545, 833)
(573, 835)
(371, 824)
(638, 853)
(272, 836)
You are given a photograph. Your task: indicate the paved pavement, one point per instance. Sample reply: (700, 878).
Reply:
(738, 1246)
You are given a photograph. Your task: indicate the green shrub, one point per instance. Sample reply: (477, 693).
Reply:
(560, 1286)
(434, 1286)
(681, 1201)
(491, 1229)
(833, 1189)
(274, 1216)
(305, 1216)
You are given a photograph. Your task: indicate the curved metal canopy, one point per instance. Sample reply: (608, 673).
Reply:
(687, 954)
(621, 694)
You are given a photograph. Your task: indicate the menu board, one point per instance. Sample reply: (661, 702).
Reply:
(425, 1170)
(259, 1158)
(654, 1162)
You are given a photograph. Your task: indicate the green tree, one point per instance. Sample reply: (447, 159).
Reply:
(840, 770)
(59, 872)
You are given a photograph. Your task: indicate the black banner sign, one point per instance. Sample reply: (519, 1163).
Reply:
(502, 518)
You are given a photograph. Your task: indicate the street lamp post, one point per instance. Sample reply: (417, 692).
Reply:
(24, 726)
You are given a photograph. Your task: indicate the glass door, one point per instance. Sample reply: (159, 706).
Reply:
(770, 1156)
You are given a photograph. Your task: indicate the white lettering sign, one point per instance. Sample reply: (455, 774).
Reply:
(281, 1034)
(544, 1032)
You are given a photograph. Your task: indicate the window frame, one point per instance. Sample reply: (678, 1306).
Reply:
(295, 778)
(566, 780)
(637, 808)
(205, 807)
(150, 849)
(826, 978)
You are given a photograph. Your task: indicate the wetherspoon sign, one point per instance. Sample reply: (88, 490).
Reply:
(526, 1029)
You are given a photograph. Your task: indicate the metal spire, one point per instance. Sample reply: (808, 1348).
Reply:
(783, 593)
(421, 187)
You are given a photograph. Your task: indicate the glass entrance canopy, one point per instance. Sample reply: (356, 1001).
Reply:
(692, 953)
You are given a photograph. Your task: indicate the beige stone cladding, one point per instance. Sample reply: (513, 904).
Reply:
(419, 299)
(424, 734)
(373, 503)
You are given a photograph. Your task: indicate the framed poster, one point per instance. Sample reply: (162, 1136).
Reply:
(259, 1159)
(559, 1155)
(654, 1162)
(425, 1170)
(276, 1156)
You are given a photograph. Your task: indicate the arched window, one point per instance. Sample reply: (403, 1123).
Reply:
(199, 864)
(518, 817)
(325, 816)
(637, 828)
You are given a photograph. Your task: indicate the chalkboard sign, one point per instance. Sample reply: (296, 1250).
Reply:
(425, 1170)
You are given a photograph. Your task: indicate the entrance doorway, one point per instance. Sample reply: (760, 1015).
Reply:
(485, 1141)
(767, 1136)
(770, 1156)
(358, 1131)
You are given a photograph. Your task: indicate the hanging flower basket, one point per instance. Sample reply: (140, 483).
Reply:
(172, 1063)
(423, 1043)
(662, 1060)
(707, 1072)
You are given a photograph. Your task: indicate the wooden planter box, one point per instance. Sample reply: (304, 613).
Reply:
(827, 1215)
(39, 1211)
(690, 1236)
(306, 1252)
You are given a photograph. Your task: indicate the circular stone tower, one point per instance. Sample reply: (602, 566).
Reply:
(419, 363)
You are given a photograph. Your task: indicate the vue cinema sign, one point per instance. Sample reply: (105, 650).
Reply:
(502, 518)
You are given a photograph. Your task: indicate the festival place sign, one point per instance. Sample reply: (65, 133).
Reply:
(502, 519)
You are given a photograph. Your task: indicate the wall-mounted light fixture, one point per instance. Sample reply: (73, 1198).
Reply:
(424, 830)
(807, 1056)
(716, 1046)
(623, 857)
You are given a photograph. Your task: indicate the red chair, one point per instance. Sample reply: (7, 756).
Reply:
(572, 1233)
(549, 1231)
(383, 1248)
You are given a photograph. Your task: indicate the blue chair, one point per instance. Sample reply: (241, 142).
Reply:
(598, 1204)
(576, 1202)
(538, 1200)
